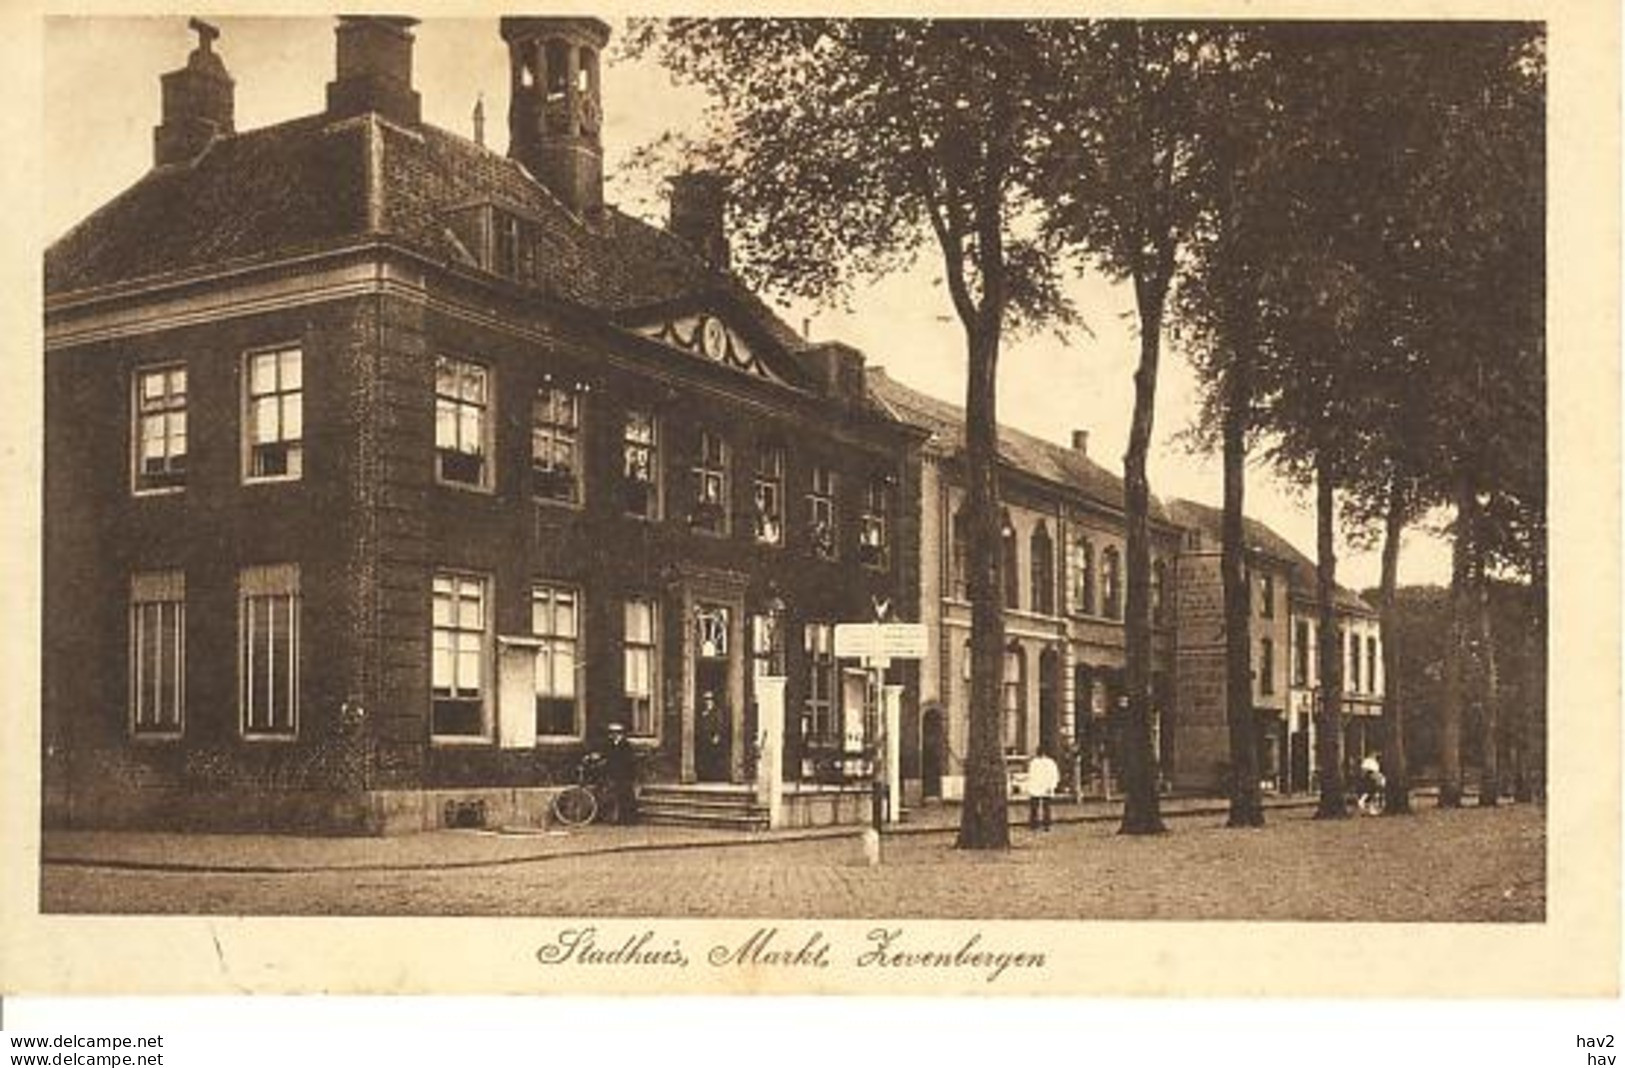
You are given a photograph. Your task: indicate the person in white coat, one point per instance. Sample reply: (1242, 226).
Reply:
(1043, 776)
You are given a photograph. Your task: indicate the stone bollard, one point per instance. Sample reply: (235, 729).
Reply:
(871, 847)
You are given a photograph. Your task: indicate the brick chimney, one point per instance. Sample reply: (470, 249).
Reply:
(374, 71)
(1080, 441)
(699, 200)
(198, 102)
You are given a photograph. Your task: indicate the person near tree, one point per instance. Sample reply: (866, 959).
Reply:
(1043, 776)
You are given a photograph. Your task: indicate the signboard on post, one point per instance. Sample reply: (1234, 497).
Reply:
(877, 644)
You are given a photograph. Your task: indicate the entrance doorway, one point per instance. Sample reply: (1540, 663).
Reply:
(713, 716)
(1049, 702)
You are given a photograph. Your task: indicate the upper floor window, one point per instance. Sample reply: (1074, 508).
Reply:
(269, 651)
(555, 445)
(821, 512)
(767, 496)
(640, 456)
(1111, 584)
(160, 428)
(1159, 594)
(1371, 664)
(158, 654)
(873, 526)
(1300, 653)
(459, 656)
(1043, 571)
(641, 662)
(462, 422)
(1354, 662)
(710, 506)
(555, 619)
(275, 423)
(959, 557)
(1009, 566)
(1266, 590)
(1266, 666)
(1083, 577)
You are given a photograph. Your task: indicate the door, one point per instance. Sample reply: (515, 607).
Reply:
(1049, 703)
(713, 714)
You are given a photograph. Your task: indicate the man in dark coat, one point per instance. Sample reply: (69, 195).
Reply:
(621, 776)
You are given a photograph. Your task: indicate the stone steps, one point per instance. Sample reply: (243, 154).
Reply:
(725, 808)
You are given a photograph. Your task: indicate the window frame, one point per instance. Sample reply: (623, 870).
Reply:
(818, 645)
(652, 649)
(652, 512)
(767, 527)
(487, 646)
(487, 410)
(554, 432)
(1266, 665)
(158, 589)
(1111, 584)
(710, 470)
(823, 530)
(138, 416)
(1083, 562)
(295, 446)
(874, 524)
(549, 644)
(1041, 569)
(275, 583)
(1009, 564)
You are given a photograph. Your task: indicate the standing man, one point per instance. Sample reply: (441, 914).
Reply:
(621, 775)
(1043, 776)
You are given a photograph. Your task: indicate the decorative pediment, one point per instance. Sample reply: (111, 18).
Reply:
(705, 335)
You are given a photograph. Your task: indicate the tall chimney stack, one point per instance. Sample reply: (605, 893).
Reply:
(198, 102)
(374, 70)
(1080, 441)
(699, 201)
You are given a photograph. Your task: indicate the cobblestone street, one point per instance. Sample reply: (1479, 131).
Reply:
(1462, 865)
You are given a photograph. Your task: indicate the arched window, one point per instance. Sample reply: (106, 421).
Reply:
(1013, 699)
(1010, 567)
(959, 558)
(1083, 577)
(1043, 571)
(1159, 582)
(1111, 584)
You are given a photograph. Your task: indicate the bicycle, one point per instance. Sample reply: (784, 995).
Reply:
(577, 804)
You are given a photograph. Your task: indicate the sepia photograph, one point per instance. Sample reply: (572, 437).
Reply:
(852, 481)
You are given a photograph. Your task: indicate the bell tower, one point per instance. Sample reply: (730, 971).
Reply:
(555, 111)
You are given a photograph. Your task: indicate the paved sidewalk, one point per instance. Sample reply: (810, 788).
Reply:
(269, 853)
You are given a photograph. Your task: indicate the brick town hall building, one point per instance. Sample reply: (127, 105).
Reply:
(385, 471)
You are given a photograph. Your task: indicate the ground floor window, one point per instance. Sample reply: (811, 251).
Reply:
(555, 619)
(459, 656)
(269, 655)
(820, 723)
(1013, 703)
(158, 654)
(642, 660)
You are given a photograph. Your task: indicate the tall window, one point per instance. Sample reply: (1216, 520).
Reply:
(1043, 571)
(275, 419)
(459, 643)
(1111, 584)
(157, 654)
(269, 656)
(1371, 664)
(820, 723)
(160, 415)
(641, 642)
(1300, 653)
(640, 452)
(555, 619)
(1354, 661)
(462, 424)
(1159, 592)
(1009, 566)
(873, 532)
(710, 512)
(1083, 577)
(959, 559)
(767, 496)
(1013, 698)
(1266, 592)
(555, 445)
(766, 644)
(821, 512)
(1266, 665)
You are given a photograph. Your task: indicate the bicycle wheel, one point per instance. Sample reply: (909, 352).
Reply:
(575, 806)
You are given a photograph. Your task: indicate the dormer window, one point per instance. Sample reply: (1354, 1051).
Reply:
(555, 452)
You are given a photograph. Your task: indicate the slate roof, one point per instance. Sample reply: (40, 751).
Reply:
(303, 185)
(1260, 538)
(1020, 450)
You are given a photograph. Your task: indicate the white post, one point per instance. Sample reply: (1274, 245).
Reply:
(892, 708)
(770, 763)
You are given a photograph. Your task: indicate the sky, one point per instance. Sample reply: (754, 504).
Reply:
(101, 102)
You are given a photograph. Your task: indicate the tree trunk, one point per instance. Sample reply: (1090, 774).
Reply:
(1141, 806)
(1246, 802)
(1450, 710)
(1333, 804)
(1396, 766)
(1489, 779)
(984, 821)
